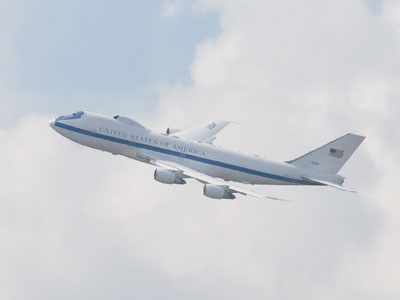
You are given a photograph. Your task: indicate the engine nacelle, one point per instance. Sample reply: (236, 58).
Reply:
(167, 176)
(172, 130)
(217, 192)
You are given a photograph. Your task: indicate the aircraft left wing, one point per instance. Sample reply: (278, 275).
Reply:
(203, 178)
(203, 133)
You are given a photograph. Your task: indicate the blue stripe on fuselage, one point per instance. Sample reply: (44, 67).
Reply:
(181, 155)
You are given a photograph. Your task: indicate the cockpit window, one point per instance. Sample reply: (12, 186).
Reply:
(76, 115)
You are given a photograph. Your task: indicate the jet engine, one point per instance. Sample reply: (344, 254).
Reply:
(217, 192)
(168, 177)
(172, 130)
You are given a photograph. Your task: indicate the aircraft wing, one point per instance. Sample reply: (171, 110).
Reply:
(203, 178)
(336, 186)
(203, 133)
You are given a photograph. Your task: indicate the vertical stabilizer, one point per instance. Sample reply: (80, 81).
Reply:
(331, 157)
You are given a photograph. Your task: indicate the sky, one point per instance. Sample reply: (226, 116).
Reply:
(79, 223)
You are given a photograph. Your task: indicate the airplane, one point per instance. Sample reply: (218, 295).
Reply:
(182, 154)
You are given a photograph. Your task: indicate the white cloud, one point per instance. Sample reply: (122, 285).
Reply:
(391, 13)
(80, 223)
(303, 74)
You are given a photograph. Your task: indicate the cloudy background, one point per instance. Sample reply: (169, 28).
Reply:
(80, 224)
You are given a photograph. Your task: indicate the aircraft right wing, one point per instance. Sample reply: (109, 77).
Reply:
(203, 133)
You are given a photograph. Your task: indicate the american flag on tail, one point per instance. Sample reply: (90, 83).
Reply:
(336, 153)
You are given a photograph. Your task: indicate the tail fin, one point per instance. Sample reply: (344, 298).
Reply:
(331, 157)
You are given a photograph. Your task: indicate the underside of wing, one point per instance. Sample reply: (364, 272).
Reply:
(202, 133)
(213, 185)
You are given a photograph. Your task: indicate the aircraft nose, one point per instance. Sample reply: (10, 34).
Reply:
(52, 123)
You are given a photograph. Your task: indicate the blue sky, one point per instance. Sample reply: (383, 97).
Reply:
(74, 51)
(374, 6)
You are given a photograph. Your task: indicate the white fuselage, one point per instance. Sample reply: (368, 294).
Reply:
(122, 138)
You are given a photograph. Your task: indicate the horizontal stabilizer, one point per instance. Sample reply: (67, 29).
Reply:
(336, 186)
